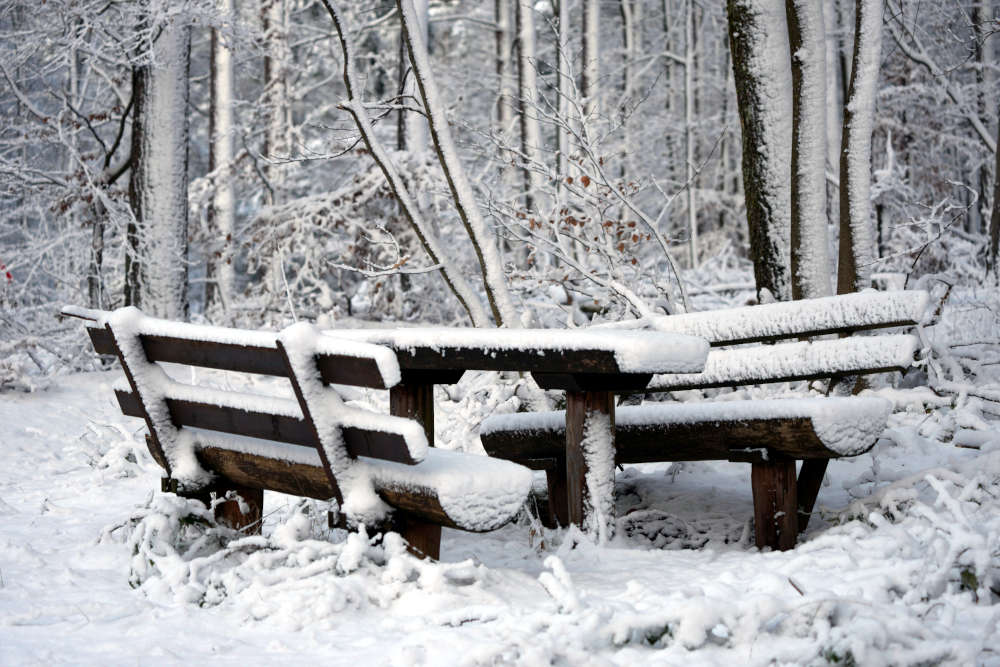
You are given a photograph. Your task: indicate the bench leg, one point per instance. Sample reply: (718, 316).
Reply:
(228, 513)
(774, 504)
(810, 480)
(414, 401)
(555, 477)
(423, 539)
(590, 461)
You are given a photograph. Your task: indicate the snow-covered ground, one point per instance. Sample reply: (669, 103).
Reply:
(899, 572)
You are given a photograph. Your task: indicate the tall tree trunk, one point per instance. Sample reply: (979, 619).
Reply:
(689, 113)
(995, 218)
(504, 65)
(414, 125)
(589, 87)
(156, 259)
(856, 242)
(564, 88)
(222, 216)
(759, 46)
(278, 113)
(527, 80)
(809, 251)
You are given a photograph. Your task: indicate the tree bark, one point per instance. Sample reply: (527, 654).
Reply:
(809, 251)
(278, 114)
(856, 234)
(591, 54)
(759, 47)
(527, 79)
(156, 257)
(222, 215)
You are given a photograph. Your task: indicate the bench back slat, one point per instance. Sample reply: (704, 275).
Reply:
(842, 314)
(268, 426)
(334, 368)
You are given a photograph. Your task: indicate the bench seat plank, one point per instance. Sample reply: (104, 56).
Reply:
(786, 362)
(713, 430)
(455, 489)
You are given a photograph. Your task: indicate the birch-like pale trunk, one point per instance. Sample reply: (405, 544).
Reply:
(589, 87)
(438, 254)
(278, 111)
(414, 124)
(487, 254)
(565, 88)
(809, 249)
(856, 234)
(504, 65)
(689, 113)
(222, 219)
(527, 80)
(156, 259)
(759, 45)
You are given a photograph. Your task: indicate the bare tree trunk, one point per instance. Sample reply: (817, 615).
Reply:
(995, 218)
(809, 251)
(222, 215)
(591, 57)
(527, 79)
(156, 259)
(759, 47)
(487, 254)
(689, 112)
(856, 242)
(414, 138)
(564, 88)
(278, 114)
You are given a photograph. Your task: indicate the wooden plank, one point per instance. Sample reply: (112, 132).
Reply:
(423, 539)
(807, 488)
(580, 382)
(228, 512)
(679, 383)
(648, 443)
(499, 359)
(292, 430)
(774, 504)
(557, 483)
(103, 341)
(581, 408)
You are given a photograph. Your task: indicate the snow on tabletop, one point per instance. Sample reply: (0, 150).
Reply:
(635, 351)
(478, 493)
(784, 318)
(797, 360)
(845, 425)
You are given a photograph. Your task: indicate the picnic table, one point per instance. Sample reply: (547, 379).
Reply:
(589, 365)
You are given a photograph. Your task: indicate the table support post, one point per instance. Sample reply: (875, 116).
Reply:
(415, 400)
(590, 461)
(775, 509)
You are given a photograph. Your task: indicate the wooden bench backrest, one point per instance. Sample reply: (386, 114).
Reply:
(140, 343)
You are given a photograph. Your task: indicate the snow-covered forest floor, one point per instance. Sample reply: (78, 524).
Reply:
(902, 566)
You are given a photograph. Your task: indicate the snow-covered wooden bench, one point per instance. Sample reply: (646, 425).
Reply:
(770, 434)
(214, 441)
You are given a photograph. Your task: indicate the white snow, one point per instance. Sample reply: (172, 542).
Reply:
(635, 351)
(896, 569)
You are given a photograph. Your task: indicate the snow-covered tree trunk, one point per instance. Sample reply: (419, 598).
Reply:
(564, 88)
(483, 243)
(527, 80)
(278, 110)
(809, 251)
(504, 65)
(759, 45)
(589, 87)
(223, 212)
(995, 217)
(414, 124)
(689, 113)
(156, 260)
(856, 234)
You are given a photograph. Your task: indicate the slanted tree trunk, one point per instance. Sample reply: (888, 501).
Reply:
(487, 254)
(809, 251)
(222, 215)
(414, 125)
(156, 257)
(759, 46)
(856, 234)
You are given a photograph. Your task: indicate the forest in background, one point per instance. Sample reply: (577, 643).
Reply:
(585, 161)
